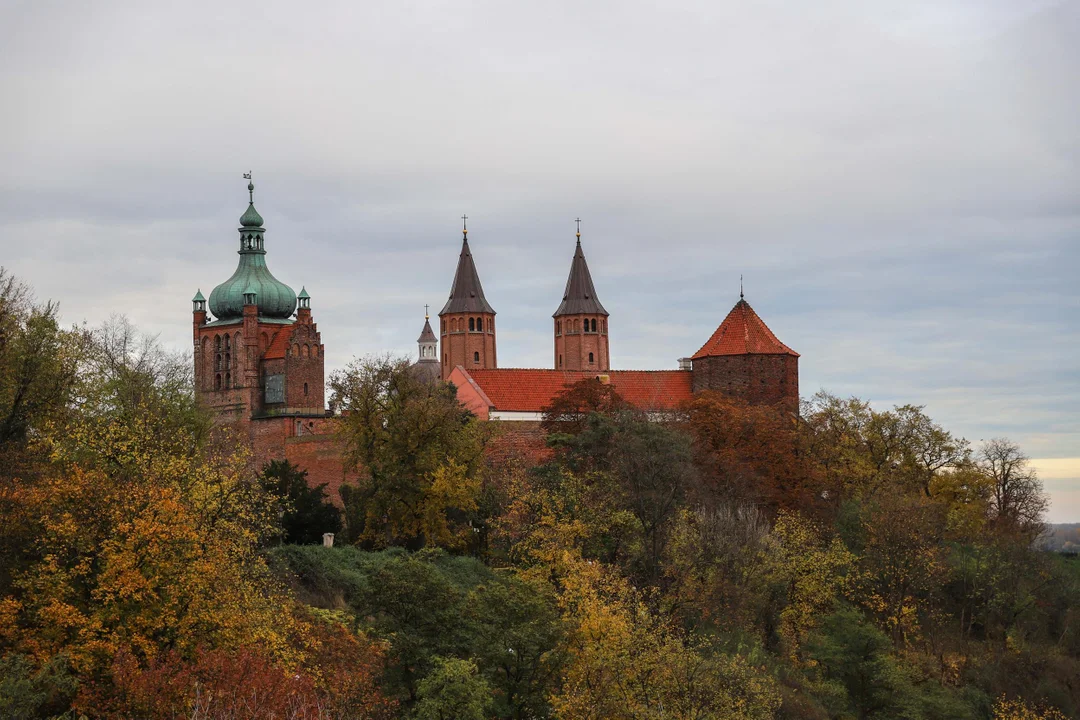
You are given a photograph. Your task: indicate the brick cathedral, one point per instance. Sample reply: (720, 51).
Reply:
(259, 359)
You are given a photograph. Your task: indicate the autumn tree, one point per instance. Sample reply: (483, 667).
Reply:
(1017, 502)
(417, 451)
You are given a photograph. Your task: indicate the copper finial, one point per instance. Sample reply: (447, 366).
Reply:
(426, 316)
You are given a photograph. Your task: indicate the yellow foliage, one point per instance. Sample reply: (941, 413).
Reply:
(815, 572)
(626, 662)
(1005, 709)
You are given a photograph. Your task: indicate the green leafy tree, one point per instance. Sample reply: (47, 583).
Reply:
(418, 453)
(453, 690)
(306, 513)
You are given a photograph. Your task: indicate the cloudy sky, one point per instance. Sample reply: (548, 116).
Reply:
(897, 181)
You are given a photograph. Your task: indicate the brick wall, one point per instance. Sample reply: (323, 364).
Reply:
(755, 378)
(461, 346)
(573, 344)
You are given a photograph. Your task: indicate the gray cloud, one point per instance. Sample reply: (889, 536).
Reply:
(896, 180)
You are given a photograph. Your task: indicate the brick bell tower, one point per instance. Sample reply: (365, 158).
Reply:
(581, 322)
(744, 359)
(254, 359)
(467, 321)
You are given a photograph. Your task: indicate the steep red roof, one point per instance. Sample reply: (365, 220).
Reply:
(531, 390)
(743, 333)
(279, 346)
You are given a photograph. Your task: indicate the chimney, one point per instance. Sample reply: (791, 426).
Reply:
(686, 364)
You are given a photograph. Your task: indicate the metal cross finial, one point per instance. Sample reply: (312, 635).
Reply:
(251, 187)
(465, 224)
(578, 221)
(426, 315)
(740, 286)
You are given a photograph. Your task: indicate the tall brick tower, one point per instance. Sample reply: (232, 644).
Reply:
(744, 359)
(253, 359)
(581, 322)
(467, 321)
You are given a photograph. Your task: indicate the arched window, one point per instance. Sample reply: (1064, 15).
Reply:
(217, 343)
(228, 381)
(217, 361)
(227, 341)
(476, 357)
(472, 324)
(560, 361)
(217, 381)
(558, 327)
(228, 359)
(305, 389)
(594, 325)
(453, 324)
(296, 350)
(307, 350)
(590, 358)
(603, 326)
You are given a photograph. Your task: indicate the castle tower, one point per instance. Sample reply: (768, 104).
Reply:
(427, 364)
(744, 359)
(467, 321)
(253, 359)
(581, 322)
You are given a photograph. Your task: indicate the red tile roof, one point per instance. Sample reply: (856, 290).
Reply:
(743, 333)
(279, 346)
(531, 390)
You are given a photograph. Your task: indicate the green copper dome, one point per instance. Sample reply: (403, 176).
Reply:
(274, 298)
(251, 217)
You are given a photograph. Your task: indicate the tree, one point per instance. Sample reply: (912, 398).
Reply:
(453, 690)
(1017, 502)
(418, 453)
(568, 411)
(306, 513)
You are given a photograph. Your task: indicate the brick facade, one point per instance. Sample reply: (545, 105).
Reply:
(580, 347)
(754, 378)
(468, 340)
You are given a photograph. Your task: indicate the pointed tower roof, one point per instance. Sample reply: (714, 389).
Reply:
(580, 295)
(466, 294)
(743, 333)
(427, 336)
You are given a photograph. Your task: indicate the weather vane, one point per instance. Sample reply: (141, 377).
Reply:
(251, 187)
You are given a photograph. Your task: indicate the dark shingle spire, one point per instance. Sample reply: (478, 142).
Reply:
(466, 294)
(579, 298)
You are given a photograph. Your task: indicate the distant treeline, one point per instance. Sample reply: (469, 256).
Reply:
(1061, 537)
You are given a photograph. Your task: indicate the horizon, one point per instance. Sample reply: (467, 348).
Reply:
(901, 203)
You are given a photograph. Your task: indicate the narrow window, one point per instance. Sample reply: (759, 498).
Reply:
(217, 381)
(560, 361)
(226, 342)
(476, 357)
(444, 358)
(590, 358)
(228, 381)
(307, 350)
(217, 361)
(472, 325)
(228, 359)
(217, 343)
(594, 325)
(305, 389)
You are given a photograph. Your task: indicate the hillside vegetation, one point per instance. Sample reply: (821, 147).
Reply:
(726, 561)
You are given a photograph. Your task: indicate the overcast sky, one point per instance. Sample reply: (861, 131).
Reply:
(899, 182)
